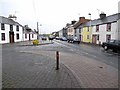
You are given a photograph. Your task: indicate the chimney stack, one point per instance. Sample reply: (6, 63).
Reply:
(72, 22)
(102, 15)
(82, 20)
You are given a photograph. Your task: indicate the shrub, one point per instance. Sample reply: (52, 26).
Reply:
(35, 42)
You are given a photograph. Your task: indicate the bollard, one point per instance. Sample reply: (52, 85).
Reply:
(57, 60)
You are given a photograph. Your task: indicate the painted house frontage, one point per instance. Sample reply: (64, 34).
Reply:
(86, 33)
(100, 30)
(104, 29)
(95, 31)
(28, 34)
(11, 31)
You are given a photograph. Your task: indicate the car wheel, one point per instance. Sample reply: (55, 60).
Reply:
(106, 48)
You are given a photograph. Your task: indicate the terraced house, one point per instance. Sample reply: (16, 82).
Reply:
(100, 30)
(86, 32)
(77, 27)
(11, 31)
(105, 28)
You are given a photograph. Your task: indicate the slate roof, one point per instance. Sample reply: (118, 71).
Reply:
(8, 21)
(107, 19)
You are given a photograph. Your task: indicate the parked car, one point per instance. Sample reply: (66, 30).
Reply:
(63, 39)
(73, 39)
(44, 38)
(57, 38)
(112, 44)
(51, 37)
(76, 39)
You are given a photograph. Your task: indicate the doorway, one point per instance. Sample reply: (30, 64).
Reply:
(11, 37)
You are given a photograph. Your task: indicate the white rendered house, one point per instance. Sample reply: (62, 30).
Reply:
(11, 31)
(104, 29)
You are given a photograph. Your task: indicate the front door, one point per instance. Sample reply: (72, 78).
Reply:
(94, 39)
(11, 37)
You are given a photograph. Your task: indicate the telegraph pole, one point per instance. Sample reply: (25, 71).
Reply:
(37, 31)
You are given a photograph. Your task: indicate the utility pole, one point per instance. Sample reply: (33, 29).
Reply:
(37, 31)
(90, 26)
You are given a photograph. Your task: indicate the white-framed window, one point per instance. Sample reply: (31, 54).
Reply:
(11, 27)
(3, 36)
(88, 36)
(32, 35)
(97, 28)
(88, 29)
(108, 27)
(25, 35)
(17, 36)
(2, 26)
(17, 28)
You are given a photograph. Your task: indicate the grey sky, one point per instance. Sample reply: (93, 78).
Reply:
(54, 14)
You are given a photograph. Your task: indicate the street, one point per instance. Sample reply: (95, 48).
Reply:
(94, 52)
(91, 65)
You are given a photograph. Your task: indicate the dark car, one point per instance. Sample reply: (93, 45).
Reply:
(112, 44)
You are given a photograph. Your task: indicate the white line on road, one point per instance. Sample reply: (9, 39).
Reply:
(78, 51)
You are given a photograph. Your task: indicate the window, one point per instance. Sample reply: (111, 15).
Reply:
(109, 27)
(82, 30)
(3, 36)
(75, 30)
(88, 37)
(2, 26)
(88, 29)
(98, 37)
(11, 27)
(108, 37)
(17, 36)
(17, 28)
(79, 30)
(32, 35)
(25, 35)
(97, 28)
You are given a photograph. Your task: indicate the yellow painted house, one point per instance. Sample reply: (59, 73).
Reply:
(86, 34)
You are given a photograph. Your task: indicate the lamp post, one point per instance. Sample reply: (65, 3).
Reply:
(90, 27)
(38, 30)
(90, 18)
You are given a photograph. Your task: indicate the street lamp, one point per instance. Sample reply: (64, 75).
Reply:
(90, 18)
(90, 25)
(38, 30)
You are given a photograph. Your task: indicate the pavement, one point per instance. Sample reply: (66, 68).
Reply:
(29, 70)
(38, 70)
